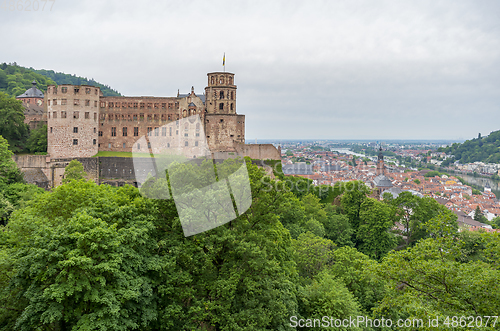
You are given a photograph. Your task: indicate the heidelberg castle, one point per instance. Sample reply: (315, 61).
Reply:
(82, 122)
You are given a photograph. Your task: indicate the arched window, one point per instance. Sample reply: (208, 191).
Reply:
(230, 80)
(197, 126)
(221, 95)
(184, 113)
(232, 95)
(221, 80)
(231, 106)
(212, 80)
(186, 126)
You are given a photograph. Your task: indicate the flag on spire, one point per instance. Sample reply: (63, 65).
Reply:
(224, 59)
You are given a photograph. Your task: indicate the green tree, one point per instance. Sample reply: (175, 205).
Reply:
(478, 215)
(9, 172)
(373, 235)
(12, 126)
(37, 141)
(417, 181)
(73, 171)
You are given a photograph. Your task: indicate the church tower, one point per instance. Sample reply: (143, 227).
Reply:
(380, 163)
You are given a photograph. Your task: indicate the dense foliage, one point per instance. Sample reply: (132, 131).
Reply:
(483, 149)
(95, 257)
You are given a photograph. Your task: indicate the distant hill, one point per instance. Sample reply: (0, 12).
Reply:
(481, 149)
(14, 80)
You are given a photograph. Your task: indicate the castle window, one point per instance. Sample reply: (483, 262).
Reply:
(54, 102)
(196, 143)
(77, 90)
(168, 144)
(230, 80)
(87, 102)
(113, 132)
(76, 102)
(87, 115)
(197, 134)
(76, 114)
(124, 131)
(232, 95)
(134, 117)
(110, 117)
(117, 117)
(130, 104)
(231, 106)
(156, 105)
(111, 105)
(156, 116)
(212, 80)
(186, 126)
(163, 117)
(64, 89)
(157, 132)
(95, 103)
(87, 90)
(221, 95)
(197, 126)
(170, 131)
(170, 105)
(95, 116)
(163, 106)
(221, 106)
(186, 143)
(149, 117)
(124, 105)
(124, 145)
(141, 117)
(50, 129)
(176, 132)
(54, 90)
(95, 130)
(149, 105)
(138, 146)
(221, 80)
(100, 133)
(186, 134)
(163, 131)
(141, 105)
(63, 114)
(95, 91)
(232, 136)
(136, 131)
(94, 142)
(75, 129)
(149, 129)
(109, 145)
(103, 104)
(135, 105)
(149, 145)
(75, 141)
(221, 120)
(169, 117)
(177, 105)
(63, 101)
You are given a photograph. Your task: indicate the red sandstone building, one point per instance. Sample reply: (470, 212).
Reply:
(82, 122)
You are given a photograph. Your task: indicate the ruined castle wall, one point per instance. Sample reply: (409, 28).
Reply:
(124, 120)
(223, 131)
(72, 120)
(56, 169)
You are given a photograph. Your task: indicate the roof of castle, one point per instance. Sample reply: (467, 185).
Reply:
(32, 92)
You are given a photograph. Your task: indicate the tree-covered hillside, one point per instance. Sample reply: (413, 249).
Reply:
(483, 149)
(62, 78)
(14, 80)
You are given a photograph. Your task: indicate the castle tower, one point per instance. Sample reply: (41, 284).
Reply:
(220, 93)
(224, 129)
(380, 163)
(72, 120)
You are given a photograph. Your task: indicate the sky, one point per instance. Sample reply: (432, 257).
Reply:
(304, 69)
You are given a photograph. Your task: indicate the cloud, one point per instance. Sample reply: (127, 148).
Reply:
(385, 69)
